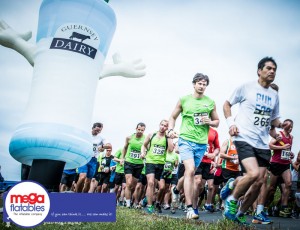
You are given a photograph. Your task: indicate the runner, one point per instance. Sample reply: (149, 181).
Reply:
(120, 182)
(133, 165)
(258, 110)
(231, 170)
(280, 166)
(104, 170)
(87, 172)
(154, 149)
(67, 179)
(205, 173)
(198, 113)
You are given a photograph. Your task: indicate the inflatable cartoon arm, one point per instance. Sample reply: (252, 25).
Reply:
(122, 68)
(16, 41)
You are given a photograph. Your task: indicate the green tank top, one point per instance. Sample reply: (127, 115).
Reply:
(133, 154)
(193, 109)
(119, 168)
(157, 152)
(170, 163)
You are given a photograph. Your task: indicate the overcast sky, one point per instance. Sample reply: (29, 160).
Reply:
(175, 39)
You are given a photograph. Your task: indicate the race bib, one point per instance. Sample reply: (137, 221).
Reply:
(159, 150)
(235, 161)
(198, 118)
(95, 148)
(135, 154)
(168, 166)
(285, 155)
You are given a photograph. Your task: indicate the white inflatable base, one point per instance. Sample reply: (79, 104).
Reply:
(53, 142)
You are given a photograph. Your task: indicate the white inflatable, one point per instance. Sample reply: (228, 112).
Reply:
(72, 42)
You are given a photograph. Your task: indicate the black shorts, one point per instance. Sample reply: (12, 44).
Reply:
(218, 180)
(181, 170)
(156, 169)
(119, 178)
(245, 150)
(227, 174)
(204, 169)
(102, 178)
(277, 169)
(111, 185)
(68, 179)
(143, 179)
(172, 180)
(134, 169)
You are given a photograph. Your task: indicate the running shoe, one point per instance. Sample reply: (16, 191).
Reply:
(166, 207)
(158, 208)
(261, 219)
(190, 214)
(225, 191)
(209, 208)
(241, 219)
(144, 202)
(286, 212)
(196, 211)
(230, 210)
(150, 209)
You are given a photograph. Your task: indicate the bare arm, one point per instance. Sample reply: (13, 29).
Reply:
(170, 145)
(124, 150)
(172, 119)
(233, 130)
(145, 145)
(214, 118)
(273, 145)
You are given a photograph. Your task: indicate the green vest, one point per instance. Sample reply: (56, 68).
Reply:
(133, 154)
(157, 152)
(193, 109)
(119, 168)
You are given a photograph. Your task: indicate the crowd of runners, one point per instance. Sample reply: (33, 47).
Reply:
(170, 170)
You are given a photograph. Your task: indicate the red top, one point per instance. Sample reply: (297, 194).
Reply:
(277, 156)
(213, 143)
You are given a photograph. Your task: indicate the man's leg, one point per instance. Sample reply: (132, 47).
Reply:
(285, 211)
(128, 189)
(80, 182)
(150, 191)
(252, 174)
(197, 190)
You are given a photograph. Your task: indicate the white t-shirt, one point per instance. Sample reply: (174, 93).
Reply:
(98, 140)
(258, 107)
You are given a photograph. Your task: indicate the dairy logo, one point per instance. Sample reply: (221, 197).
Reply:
(27, 204)
(76, 38)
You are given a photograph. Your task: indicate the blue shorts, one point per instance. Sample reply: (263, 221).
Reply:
(191, 150)
(90, 168)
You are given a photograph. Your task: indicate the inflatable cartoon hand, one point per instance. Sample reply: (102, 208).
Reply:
(122, 68)
(11, 39)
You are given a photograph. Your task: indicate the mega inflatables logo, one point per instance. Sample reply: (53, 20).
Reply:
(76, 38)
(27, 204)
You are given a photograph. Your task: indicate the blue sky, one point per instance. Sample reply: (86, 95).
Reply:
(176, 39)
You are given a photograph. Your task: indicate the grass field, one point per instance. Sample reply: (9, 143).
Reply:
(131, 219)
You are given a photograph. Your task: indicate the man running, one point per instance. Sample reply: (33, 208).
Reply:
(87, 172)
(258, 110)
(198, 113)
(154, 149)
(280, 165)
(133, 165)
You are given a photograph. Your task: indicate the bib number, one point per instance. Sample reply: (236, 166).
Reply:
(198, 118)
(94, 148)
(168, 166)
(159, 150)
(285, 155)
(135, 154)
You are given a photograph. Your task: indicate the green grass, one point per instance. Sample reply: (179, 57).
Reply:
(131, 219)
